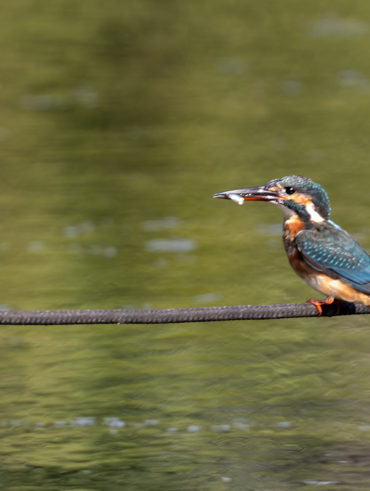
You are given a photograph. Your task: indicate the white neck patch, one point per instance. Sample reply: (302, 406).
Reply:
(288, 213)
(315, 217)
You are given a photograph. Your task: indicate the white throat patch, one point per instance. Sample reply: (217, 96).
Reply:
(287, 211)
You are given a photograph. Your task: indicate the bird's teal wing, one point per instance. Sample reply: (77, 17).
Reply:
(333, 251)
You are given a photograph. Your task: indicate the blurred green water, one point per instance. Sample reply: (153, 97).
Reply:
(118, 123)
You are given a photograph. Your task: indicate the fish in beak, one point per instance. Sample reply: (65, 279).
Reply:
(258, 193)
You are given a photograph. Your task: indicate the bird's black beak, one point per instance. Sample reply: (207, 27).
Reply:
(258, 193)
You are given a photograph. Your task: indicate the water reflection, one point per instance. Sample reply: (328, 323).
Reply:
(333, 26)
(171, 245)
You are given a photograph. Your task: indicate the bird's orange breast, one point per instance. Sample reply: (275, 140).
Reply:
(292, 226)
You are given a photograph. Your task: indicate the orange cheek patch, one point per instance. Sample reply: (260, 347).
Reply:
(301, 199)
(297, 198)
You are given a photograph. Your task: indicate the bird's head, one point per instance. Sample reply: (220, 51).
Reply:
(295, 195)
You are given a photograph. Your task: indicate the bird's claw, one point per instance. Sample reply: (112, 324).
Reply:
(319, 303)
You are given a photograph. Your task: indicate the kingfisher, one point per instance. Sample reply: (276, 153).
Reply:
(327, 257)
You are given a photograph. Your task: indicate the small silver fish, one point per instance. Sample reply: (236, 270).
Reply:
(237, 198)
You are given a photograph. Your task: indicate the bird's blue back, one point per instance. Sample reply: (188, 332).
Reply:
(331, 250)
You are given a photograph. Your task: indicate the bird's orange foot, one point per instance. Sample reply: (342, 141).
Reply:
(318, 303)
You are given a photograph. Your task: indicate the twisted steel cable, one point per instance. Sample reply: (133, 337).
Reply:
(169, 316)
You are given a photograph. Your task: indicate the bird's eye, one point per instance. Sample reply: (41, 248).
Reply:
(289, 190)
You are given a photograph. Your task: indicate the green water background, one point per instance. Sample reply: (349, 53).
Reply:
(118, 122)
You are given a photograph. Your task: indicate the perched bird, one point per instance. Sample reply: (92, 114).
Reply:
(320, 252)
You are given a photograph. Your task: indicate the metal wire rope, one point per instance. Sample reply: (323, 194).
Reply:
(169, 316)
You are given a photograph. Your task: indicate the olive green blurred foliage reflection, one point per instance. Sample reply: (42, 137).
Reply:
(119, 121)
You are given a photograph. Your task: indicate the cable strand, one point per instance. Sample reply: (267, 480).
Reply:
(169, 316)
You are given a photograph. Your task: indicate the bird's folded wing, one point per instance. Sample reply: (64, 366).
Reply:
(334, 252)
